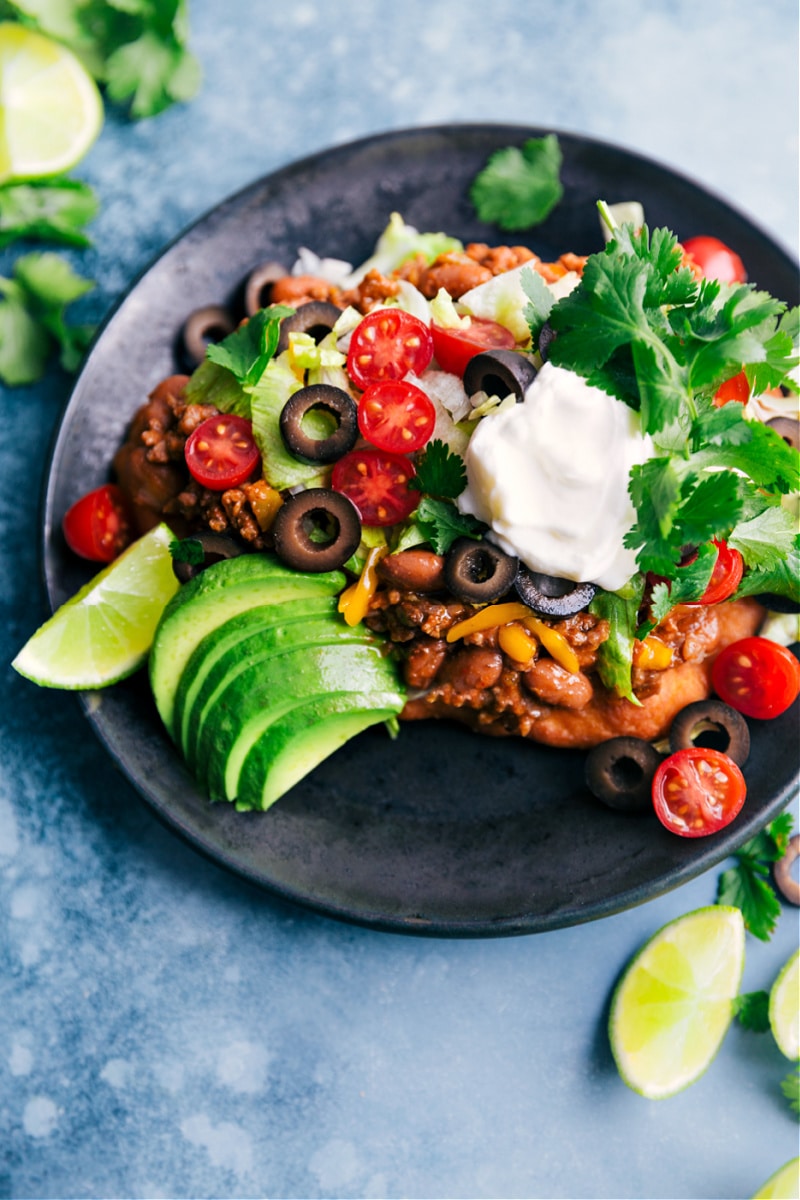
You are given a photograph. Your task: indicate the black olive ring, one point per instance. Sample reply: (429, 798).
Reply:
(329, 513)
(712, 724)
(620, 773)
(205, 325)
(341, 406)
(551, 596)
(499, 373)
(316, 318)
(478, 572)
(258, 285)
(215, 546)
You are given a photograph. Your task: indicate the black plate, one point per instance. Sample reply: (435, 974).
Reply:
(442, 831)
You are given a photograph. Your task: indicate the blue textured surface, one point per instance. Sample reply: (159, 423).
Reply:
(165, 1030)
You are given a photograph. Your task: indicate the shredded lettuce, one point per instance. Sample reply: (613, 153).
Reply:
(399, 242)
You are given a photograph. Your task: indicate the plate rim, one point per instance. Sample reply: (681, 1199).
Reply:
(526, 923)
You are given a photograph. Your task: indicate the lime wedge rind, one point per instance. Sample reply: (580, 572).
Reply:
(51, 111)
(104, 633)
(783, 1185)
(674, 1003)
(784, 1008)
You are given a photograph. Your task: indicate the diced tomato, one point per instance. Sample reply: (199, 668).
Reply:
(757, 677)
(453, 348)
(697, 791)
(98, 526)
(221, 452)
(715, 260)
(377, 483)
(396, 416)
(726, 576)
(387, 344)
(736, 388)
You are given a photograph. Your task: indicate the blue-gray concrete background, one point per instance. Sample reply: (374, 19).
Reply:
(165, 1030)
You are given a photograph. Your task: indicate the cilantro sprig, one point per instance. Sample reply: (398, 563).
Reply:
(441, 477)
(33, 320)
(746, 885)
(643, 328)
(53, 210)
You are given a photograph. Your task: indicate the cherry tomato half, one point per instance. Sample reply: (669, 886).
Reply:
(377, 483)
(387, 344)
(726, 576)
(715, 259)
(98, 526)
(736, 388)
(221, 452)
(757, 677)
(697, 791)
(453, 348)
(396, 416)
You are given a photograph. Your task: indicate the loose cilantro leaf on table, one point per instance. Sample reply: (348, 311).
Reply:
(33, 318)
(746, 885)
(790, 1087)
(752, 1011)
(518, 188)
(53, 210)
(137, 49)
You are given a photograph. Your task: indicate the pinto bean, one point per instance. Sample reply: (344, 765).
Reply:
(456, 273)
(413, 570)
(548, 680)
(424, 660)
(472, 669)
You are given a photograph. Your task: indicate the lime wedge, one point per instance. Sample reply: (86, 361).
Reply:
(674, 1003)
(50, 108)
(784, 1008)
(783, 1185)
(105, 631)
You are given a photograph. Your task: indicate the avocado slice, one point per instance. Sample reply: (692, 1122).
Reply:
(258, 641)
(217, 647)
(293, 745)
(266, 690)
(222, 591)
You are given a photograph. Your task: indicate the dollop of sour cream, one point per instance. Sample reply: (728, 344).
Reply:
(550, 477)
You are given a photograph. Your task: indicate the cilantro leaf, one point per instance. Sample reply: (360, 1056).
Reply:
(790, 1086)
(187, 550)
(440, 472)
(51, 210)
(746, 885)
(442, 524)
(780, 578)
(246, 351)
(519, 188)
(751, 1009)
(33, 318)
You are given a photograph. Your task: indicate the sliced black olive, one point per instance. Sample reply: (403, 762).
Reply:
(478, 572)
(547, 335)
(712, 724)
(202, 327)
(788, 428)
(337, 405)
(316, 530)
(553, 597)
(258, 285)
(620, 773)
(212, 547)
(777, 603)
(317, 318)
(499, 373)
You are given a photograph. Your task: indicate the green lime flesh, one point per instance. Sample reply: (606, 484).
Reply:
(288, 620)
(273, 686)
(298, 741)
(218, 593)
